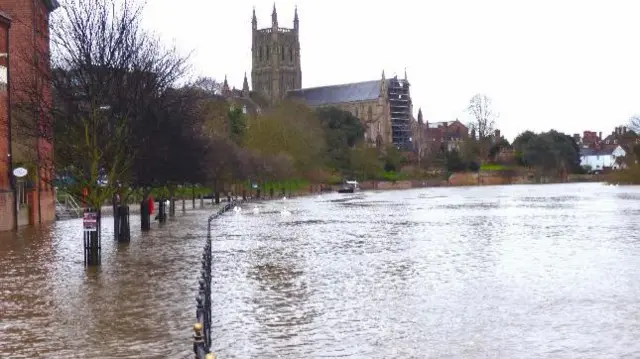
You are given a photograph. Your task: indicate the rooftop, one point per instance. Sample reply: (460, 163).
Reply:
(5, 18)
(328, 95)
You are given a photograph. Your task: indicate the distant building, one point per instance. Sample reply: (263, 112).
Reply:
(602, 159)
(275, 58)
(384, 106)
(28, 66)
(250, 102)
(435, 137)
(590, 139)
(622, 136)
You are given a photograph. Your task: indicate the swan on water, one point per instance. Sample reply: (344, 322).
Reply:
(285, 212)
(237, 209)
(256, 210)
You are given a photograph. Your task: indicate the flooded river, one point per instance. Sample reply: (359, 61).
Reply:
(549, 271)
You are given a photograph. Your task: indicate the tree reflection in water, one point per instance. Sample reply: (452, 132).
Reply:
(281, 304)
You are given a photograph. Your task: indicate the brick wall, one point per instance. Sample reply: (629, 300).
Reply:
(30, 70)
(4, 111)
(6, 212)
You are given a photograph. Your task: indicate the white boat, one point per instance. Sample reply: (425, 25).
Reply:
(349, 187)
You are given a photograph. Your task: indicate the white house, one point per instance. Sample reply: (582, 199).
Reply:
(601, 159)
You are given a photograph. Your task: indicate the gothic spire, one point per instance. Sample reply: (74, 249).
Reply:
(296, 21)
(245, 83)
(274, 16)
(383, 75)
(254, 20)
(225, 86)
(405, 74)
(420, 120)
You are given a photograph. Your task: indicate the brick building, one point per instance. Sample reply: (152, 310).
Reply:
(28, 73)
(6, 193)
(433, 137)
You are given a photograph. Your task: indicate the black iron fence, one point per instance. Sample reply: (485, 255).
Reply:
(202, 328)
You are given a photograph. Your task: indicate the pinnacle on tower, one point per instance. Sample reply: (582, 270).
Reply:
(420, 121)
(383, 75)
(225, 86)
(296, 21)
(245, 84)
(274, 16)
(405, 74)
(254, 20)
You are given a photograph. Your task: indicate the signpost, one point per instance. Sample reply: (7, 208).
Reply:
(90, 222)
(20, 172)
(91, 227)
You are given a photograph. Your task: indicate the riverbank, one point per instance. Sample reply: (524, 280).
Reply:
(488, 178)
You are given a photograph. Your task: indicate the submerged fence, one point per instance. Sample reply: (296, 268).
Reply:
(202, 328)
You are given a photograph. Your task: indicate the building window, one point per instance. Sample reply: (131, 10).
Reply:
(291, 55)
(267, 52)
(260, 53)
(282, 52)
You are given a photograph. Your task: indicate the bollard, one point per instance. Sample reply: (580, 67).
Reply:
(145, 216)
(183, 207)
(201, 201)
(122, 230)
(198, 341)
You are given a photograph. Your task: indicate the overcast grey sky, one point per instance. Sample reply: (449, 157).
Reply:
(571, 65)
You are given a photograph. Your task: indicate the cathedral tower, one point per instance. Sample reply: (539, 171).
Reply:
(275, 54)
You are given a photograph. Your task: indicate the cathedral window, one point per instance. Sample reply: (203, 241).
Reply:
(260, 53)
(267, 52)
(282, 52)
(291, 55)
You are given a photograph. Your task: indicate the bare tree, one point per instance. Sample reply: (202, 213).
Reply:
(108, 80)
(484, 116)
(209, 85)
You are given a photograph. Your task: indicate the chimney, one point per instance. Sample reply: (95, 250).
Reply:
(600, 135)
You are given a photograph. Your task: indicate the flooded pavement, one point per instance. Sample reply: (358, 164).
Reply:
(548, 271)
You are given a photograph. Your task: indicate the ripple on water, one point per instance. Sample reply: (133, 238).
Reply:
(509, 272)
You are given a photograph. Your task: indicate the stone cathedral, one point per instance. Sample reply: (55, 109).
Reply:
(383, 105)
(275, 57)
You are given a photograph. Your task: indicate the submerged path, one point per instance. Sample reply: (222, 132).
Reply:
(511, 271)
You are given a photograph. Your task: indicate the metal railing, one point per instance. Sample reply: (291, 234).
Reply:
(202, 328)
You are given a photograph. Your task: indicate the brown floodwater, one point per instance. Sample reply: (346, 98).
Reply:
(547, 271)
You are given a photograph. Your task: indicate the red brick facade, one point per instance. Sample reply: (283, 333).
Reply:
(29, 73)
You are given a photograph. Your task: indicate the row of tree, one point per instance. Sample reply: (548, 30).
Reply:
(125, 120)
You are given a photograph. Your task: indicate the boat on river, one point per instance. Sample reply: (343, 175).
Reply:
(349, 187)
